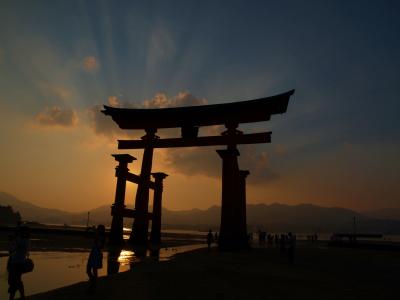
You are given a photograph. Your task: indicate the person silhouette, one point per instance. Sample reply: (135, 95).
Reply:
(95, 260)
(209, 239)
(291, 240)
(216, 237)
(18, 253)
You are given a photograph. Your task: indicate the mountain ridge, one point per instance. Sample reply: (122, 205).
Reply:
(274, 217)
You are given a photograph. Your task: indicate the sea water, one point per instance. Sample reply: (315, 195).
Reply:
(57, 269)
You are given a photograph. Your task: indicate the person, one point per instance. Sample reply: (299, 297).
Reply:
(216, 237)
(276, 239)
(283, 243)
(95, 260)
(209, 239)
(291, 240)
(18, 254)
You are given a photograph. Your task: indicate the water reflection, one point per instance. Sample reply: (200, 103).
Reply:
(117, 257)
(70, 267)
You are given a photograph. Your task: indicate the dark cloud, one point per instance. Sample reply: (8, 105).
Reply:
(101, 124)
(205, 161)
(258, 163)
(56, 116)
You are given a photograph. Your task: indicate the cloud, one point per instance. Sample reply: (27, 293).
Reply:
(113, 101)
(59, 91)
(101, 124)
(161, 47)
(55, 116)
(205, 161)
(161, 100)
(90, 64)
(258, 163)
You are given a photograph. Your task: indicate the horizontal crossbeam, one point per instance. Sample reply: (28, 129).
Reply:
(253, 138)
(134, 178)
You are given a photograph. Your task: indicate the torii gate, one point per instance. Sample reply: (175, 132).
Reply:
(233, 231)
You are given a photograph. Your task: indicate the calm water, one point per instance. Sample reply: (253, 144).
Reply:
(57, 269)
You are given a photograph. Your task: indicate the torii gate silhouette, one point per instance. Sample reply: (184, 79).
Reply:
(233, 228)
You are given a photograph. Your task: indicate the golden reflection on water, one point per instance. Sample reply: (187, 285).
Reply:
(126, 257)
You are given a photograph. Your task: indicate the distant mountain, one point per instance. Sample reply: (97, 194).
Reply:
(274, 217)
(280, 217)
(31, 212)
(384, 213)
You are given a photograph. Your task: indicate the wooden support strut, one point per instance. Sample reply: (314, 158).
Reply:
(134, 178)
(253, 138)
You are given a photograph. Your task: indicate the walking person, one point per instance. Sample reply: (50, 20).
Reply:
(18, 262)
(95, 260)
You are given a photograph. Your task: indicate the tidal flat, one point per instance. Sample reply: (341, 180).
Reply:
(318, 272)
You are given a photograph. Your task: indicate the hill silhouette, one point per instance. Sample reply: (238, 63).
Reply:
(384, 213)
(273, 217)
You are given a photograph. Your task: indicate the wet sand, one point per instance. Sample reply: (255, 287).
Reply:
(265, 273)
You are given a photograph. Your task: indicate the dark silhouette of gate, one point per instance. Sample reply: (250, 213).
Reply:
(233, 231)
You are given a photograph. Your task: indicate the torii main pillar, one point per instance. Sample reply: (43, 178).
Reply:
(140, 227)
(233, 229)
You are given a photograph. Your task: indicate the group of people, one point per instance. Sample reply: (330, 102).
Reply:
(19, 262)
(312, 238)
(211, 238)
(286, 242)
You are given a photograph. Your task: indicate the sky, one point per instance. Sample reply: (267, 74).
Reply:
(337, 145)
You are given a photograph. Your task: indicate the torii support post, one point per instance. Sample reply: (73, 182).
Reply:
(155, 235)
(117, 223)
(140, 225)
(242, 193)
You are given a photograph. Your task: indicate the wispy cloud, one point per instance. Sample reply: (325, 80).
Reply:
(113, 101)
(161, 100)
(55, 116)
(56, 90)
(90, 64)
(161, 47)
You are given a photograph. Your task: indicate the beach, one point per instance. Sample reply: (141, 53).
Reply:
(318, 272)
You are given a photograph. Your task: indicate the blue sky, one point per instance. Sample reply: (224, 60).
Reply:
(342, 57)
